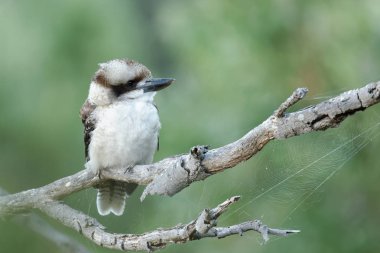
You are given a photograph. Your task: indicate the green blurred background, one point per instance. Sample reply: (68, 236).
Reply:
(234, 62)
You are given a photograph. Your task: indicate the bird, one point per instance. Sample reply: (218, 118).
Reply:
(121, 126)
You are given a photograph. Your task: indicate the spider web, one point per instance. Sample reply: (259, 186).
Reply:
(290, 175)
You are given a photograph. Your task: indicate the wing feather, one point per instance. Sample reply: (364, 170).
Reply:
(86, 114)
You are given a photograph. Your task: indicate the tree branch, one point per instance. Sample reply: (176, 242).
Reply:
(171, 175)
(201, 227)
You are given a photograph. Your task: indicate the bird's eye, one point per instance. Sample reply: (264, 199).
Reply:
(131, 82)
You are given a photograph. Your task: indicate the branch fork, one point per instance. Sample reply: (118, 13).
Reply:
(205, 224)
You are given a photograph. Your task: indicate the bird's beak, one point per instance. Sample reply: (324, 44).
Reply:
(156, 84)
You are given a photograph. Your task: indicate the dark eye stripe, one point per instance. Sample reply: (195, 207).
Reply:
(133, 82)
(123, 88)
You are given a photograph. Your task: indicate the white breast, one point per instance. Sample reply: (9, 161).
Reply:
(125, 134)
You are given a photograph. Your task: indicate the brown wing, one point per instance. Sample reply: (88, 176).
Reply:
(88, 123)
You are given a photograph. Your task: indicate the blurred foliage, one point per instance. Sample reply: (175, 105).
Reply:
(234, 62)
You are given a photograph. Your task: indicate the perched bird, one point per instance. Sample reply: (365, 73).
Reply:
(121, 125)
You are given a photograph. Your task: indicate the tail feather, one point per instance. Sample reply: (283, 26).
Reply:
(111, 197)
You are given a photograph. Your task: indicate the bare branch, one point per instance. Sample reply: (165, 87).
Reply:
(176, 173)
(26, 200)
(202, 227)
(171, 175)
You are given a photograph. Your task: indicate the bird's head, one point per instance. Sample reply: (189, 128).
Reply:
(119, 80)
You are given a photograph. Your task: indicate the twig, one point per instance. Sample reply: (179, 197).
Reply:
(297, 95)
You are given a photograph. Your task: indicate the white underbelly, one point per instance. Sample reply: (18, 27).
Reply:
(125, 134)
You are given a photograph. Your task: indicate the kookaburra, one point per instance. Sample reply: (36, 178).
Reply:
(121, 125)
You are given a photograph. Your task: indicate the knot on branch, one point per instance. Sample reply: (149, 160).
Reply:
(199, 151)
(179, 175)
(193, 166)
